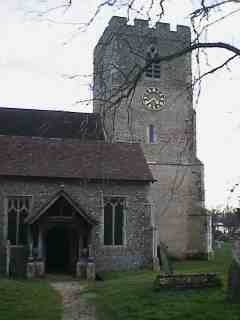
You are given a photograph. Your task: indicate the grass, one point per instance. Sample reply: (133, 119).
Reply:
(126, 295)
(130, 295)
(28, 300)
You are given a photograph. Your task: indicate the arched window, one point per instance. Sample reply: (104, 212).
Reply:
(152, 63)
(151, 134)
(114, 221)
(18, 208)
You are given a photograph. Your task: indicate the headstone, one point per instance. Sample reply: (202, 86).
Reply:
(166, 263)
(233, 291)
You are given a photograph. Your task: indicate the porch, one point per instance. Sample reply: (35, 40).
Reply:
(59, 240)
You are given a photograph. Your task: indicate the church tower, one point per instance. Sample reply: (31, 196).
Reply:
(142, 99)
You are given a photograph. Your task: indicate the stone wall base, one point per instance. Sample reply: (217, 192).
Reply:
(35, 269)
(81, 270)
(85, 270)
(31, 270)
(192, 255)
(91, 272)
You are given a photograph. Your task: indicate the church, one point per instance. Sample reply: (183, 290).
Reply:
(106, 188)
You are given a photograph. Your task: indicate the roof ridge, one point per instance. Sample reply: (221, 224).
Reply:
(2, 108)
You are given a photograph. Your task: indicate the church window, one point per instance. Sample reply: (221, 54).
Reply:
(152, 63)
(18, 208)
(151, 134)
(114, 221)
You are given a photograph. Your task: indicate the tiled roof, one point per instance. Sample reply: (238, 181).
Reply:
(70, 158)
(51, 124)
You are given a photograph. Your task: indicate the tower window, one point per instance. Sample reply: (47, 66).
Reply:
(151, 134)
(152, 63)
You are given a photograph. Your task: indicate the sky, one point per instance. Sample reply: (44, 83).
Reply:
(46, 62)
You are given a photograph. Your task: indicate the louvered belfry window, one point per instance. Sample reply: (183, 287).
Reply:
(152, 63)
(114, 221)
(18, 208)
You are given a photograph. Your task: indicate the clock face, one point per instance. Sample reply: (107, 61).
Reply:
(153, 99)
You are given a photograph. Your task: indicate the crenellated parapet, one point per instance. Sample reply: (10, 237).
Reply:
(119, 25)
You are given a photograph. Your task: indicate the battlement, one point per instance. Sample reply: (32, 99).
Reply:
(142, 26)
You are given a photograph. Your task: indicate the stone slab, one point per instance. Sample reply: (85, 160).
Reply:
(187, 281)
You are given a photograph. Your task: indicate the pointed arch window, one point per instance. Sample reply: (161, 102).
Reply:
(114, 221)
(152, 63)
(18, 208)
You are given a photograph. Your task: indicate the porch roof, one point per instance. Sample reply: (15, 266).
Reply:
(76, 206)
(70, 158)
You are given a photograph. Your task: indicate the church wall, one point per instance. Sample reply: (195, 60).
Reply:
(177, 206)
(137, 250)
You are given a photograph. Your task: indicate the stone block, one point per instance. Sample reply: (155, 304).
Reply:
(117, 22)
(81, 270)
(40, 268)
(31, 270)
(91, 271)
(187, 281)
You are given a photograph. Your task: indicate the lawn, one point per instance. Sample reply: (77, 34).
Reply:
(130, 295)
(28, 300)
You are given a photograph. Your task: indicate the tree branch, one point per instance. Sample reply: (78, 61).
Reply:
(200, 45)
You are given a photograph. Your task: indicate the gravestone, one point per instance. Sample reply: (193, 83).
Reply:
(170, 280)
(233, 291)
(166, 263)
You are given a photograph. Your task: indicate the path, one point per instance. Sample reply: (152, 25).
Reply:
(75, 302)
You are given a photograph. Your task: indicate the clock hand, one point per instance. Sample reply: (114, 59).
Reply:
(151, 100)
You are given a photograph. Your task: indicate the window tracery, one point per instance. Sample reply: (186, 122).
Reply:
(18, 208)
(114, 220)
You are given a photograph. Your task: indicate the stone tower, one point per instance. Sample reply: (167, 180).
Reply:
(158, 113)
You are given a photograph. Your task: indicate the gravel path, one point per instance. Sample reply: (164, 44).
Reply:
(76, 304)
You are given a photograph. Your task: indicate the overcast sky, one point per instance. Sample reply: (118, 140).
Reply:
(37, 55)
